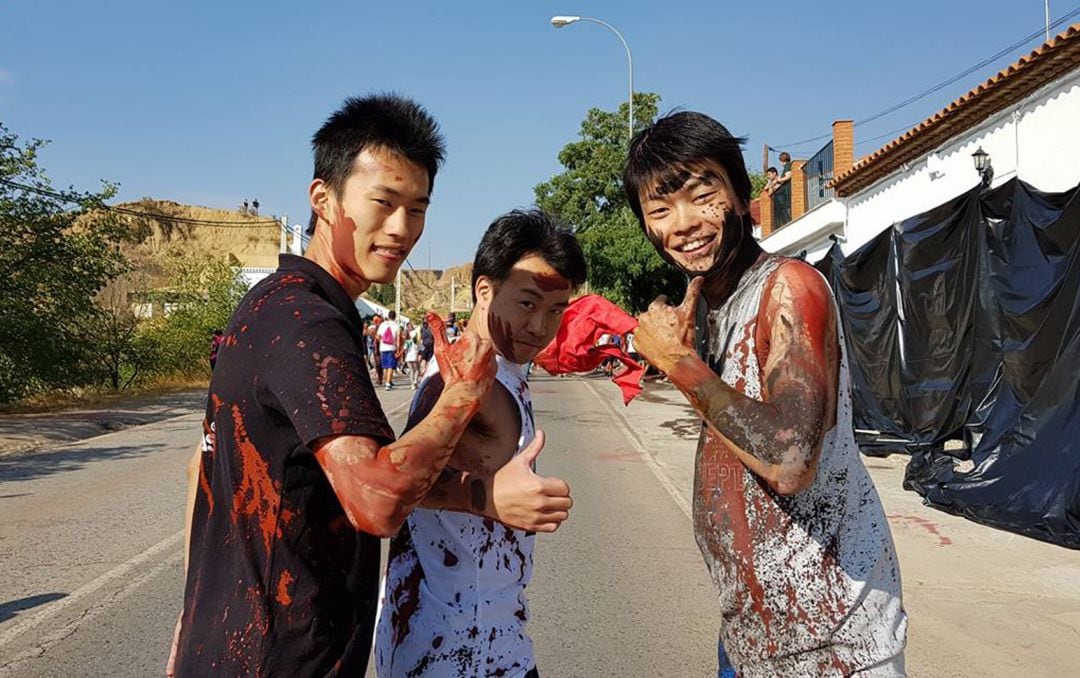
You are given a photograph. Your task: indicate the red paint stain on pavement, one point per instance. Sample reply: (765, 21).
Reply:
(929, 526)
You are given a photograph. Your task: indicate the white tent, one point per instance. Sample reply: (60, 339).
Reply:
(368, 308)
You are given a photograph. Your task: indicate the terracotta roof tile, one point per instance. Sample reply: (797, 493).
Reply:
(1043, 65)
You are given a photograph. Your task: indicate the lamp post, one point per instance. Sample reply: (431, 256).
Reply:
(560, 21)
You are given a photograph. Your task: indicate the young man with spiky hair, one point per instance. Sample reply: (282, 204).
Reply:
(299, 474)
(454, 602)
(785, 513)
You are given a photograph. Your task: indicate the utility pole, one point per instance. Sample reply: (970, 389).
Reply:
(397, 294)
(284, 221)
(453, 291)
(1047, 4)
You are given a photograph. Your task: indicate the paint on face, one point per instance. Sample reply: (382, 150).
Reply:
(697, 224)
(524, 311)
(548, 282)
(377, 218)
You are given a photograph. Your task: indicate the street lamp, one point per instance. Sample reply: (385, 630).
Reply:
(560, 21)
(983, 166)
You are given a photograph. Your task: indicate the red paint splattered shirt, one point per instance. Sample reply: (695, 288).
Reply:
(809, 584)
(454, 600)
(279, 582)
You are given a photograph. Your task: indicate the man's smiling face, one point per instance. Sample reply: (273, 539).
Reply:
(685, 215)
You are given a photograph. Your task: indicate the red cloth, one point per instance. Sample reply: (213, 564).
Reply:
(574, 348)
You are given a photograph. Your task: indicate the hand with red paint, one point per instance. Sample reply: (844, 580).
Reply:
(468, 364)
(665, 333)
(524, 500)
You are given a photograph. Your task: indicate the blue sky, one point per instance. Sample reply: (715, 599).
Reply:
(214, 102)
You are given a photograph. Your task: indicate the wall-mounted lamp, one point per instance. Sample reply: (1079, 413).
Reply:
(983, 166)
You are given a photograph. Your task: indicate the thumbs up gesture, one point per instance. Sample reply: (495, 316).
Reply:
(665, 333)
(527, 501)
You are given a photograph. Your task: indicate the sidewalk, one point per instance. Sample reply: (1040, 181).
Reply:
(981, 602)
(26, 432)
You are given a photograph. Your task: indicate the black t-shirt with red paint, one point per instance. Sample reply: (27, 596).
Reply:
(279, 582)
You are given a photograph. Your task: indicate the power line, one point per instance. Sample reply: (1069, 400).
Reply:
(941, 85)
(968, 71)
(137, 213)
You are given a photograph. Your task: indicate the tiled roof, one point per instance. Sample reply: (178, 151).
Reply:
(1044, 65)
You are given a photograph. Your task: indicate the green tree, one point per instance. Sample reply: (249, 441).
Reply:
(382, 294)
(757, 182)
(204, 292)
(588, 195)
(60, 249)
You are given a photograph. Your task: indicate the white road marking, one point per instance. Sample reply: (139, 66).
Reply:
(624, 425)
(52, 609)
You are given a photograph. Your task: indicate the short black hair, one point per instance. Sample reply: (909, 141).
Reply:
(772, 169)
(392, 314)
(386, 121)
(517, 234)
(677, 143)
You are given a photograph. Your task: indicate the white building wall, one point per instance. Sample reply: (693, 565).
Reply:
(253, 274)
(1038, 139)
(810, 232)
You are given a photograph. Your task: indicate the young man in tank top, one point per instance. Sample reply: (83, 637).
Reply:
(785, 513)
(454, 601)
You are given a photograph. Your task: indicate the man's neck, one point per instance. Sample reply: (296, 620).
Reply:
(321, 251)
(722, 283)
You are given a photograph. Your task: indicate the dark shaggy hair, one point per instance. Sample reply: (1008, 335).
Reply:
(679, 143)
(384, 121)
(517, 234)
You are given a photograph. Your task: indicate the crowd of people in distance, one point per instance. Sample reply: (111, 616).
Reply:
(397, 346)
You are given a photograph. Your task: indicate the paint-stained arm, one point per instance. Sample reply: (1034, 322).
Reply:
(514, 495)
(378, 485)
(780, 438)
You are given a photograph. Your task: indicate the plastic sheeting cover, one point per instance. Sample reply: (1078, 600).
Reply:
(964, 321)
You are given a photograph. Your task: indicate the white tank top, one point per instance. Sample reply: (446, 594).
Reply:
(809, 584)
(454, 599)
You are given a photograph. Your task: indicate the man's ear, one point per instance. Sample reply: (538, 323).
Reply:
(485, 289)
(319, 198)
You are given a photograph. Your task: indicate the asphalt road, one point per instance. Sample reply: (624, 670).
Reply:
(91, 532)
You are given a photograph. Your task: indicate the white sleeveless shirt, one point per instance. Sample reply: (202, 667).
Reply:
(809, 584)
(454, 600)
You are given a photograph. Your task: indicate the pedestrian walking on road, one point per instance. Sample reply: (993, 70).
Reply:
(389, 334)
(785, 513)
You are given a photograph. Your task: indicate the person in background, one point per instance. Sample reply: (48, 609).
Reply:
(374, 357)
(412, 355)
(216, 339)
(771, 181)
(453, 330)
(389, 334)
(427, 345)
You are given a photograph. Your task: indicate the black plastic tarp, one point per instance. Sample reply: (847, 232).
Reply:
(964, 323)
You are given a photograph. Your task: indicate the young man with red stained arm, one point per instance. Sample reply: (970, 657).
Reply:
(454, 601)
(785, 513)
(299, 474)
